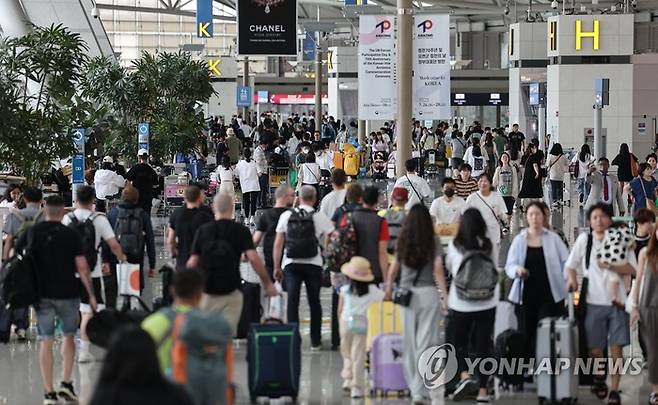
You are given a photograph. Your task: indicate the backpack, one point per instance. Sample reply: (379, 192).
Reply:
(477, 277)
(356, 323)
(394, 218)
(19, 282)
(218, 252)
(87, 233)
(26, 222)
(129, 230)
(478, 163)
(202, 358)
(343, 243)
(328, 132)
(301, 242)
(510, 345)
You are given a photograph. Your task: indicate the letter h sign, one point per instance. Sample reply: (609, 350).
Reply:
(591, 34)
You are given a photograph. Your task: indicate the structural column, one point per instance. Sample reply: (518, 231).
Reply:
(362, 132)
(403, 47)
(318, 82)
(245, 82)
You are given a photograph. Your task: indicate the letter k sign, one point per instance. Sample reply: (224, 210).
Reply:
(213, 66)
(203, 30)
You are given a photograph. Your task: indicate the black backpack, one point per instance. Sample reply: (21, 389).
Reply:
(477, 277)
(129, 230)
(87, 233)
(478, 163)
(218, 261)
(510, 345)
(301, 242)
(19, 278)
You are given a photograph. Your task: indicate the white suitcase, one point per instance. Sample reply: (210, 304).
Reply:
(557, 338)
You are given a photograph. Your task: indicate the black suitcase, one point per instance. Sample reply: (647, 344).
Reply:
(5, 323)
(274, 361)
(251, 309)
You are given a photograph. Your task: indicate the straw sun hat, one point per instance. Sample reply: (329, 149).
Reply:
(358, 269)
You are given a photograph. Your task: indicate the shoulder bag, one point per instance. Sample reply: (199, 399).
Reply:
(402, 296)
(503, 226)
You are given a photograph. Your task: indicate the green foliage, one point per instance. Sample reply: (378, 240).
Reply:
(164, 89)
(39, 75)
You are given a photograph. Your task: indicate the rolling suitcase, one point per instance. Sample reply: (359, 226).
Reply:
(274, 361)
(251, 309)
(5, 324)
(386, 369)
(383, 317)
(557, 338)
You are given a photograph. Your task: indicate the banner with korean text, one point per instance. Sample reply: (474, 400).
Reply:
(431, 66)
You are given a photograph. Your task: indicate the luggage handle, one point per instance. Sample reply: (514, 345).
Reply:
(272, 321)
(126, 302)
(570, 306)
(381, 317)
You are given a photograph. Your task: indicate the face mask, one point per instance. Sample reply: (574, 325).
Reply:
(449, 192)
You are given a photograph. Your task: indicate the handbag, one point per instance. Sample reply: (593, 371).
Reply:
(356, 323)
(402, 296)
(650, 204)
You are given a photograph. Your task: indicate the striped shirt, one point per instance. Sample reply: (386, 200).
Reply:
(466, 188)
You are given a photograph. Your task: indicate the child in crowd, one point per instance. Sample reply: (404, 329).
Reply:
(355, 297)
(617, 244)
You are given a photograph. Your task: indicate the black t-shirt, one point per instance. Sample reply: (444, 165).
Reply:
(267, 224)
(237, 236)
(516, 141)
(185, 222)
(143, 178)
(54, 247)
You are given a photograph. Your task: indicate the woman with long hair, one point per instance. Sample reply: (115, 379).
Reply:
(419, 259)
(557, 166)
(535, 261)
(531, 184)
(645, 308)
(247, 171)
(131, 374)
(12, 197)
(625, 162)
(225, 176)
(309, 173)
(471, 322)
(477, 160)
(506, 181)
(582, 162)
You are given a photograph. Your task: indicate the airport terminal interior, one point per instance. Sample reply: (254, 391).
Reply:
(451, 181)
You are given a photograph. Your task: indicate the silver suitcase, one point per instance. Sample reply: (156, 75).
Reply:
(557, 338)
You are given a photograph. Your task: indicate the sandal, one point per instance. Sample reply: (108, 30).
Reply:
(599, 388)
(614, 398)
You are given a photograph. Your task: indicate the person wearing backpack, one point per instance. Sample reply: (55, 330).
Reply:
(395, 216)
(300, 234)
(217, 249)
(355, 298)
(93, 227)
(16, 225)
(58, 258)
(535, 261)
(420, 265)
(133, 230)
(472, 299)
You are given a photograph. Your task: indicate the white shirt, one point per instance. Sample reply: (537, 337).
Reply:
(497, 204)
(598, 292)
(582, 170)
(225, 175)
(310, 173)
(481, 160)
(446, 212)
(323, 227)
(558, 167)
(325, 160)
(107, 183)
(420, 186)
(247, 172)
(332, 201)
(359, 304)
(103, 229)
(610, 198)
(453, 261)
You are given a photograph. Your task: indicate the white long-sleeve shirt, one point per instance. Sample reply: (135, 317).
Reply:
(107, 183)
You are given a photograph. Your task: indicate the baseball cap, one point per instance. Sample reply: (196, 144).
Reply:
(108, 159)
(142, 152)
(400, 194)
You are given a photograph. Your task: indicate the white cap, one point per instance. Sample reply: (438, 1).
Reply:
(108, 159)
(142, 152)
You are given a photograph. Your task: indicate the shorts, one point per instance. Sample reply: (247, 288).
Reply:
(98, 292)
(65, 309)
(607, 325)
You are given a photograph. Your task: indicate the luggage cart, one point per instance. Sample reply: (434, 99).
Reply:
(175, 191)
(277, 176)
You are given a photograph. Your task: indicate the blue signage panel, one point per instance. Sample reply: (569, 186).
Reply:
(308, 47)
(243, 98)
(355, 2)
(204, 19)
(263, 96)
(143, 131)
(79, 136)
(534, 93)
(78, 168)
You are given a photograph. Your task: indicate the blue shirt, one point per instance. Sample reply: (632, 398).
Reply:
(555, 257)
(639, 191)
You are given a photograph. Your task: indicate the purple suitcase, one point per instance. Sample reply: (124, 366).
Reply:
(386, 372)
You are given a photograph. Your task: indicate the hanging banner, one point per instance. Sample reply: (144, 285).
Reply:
(308, 46)
(376, 67)
(204, 28)
(267, 27)
(431, 65)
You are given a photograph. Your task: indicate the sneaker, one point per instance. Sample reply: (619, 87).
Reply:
(347, 385)
(418, 400)
(86, 357)
(21, 335)
(50, 398)
(467, 387)
(614, 398)
(356, 393)
(316, 348)
(482, 400)
(66, 391)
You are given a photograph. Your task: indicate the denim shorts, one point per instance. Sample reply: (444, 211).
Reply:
(67, 310)
(607, 325)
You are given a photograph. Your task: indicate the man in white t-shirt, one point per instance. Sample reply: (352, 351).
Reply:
(448, 208)
(301, 260)
(103, 232)
(607, 325)
(417, 186)
(335, 198)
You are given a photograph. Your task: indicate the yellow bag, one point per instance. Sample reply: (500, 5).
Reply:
(446, 229)
(352, 163)
(383, 317)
